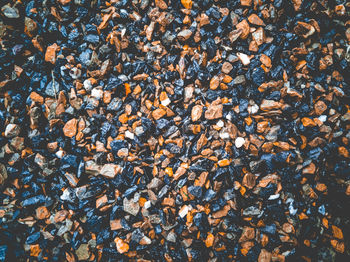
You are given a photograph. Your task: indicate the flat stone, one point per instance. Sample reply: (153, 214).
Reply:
(226, 68)
(184, 34)
(50, 55)
(268, 105)
(214, 111)
(70, 128)
(196, 112)
(83, 252)
(110, 170)
(131, 207)
(255, 20)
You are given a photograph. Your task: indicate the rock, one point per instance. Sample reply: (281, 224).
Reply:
(214, 111)
(304, 29)
(83, 252)
(244, 58)
(268, 105)
(320, 107)
(3, 174)
(224, 162)
(235, 34)
(10, 12)
(121, 245)
(196, 112)
(184, 34)
(187, 3)
(239, 80)
(244, 26)
(239, 142)
(246, 2)
(255, 20)
(70, 128)
(226, 68)
(42, 212)
(161, 4)
(131, 207)
(12, 130)
(52, 89)
(158, 113)
(214, 83)
(259, 36)
(50, 55)
(265, 60)
(110, 170)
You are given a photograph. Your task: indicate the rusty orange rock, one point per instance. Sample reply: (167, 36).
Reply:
(320, 107)
(246, 2)
(70, 128)
(36, 97)
(42, 212)
(224, 162)
(256, 20)
(122, 246)
(209, 241)
(214, 111)
(161, 4)
(308, 122)
(187, 3)
(158, 113)
(214, 83)
(244, 26)
(50, 55)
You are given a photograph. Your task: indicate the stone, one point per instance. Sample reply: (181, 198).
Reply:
(130, 206)
(214, 111)
(12, 130)
(214, 83)
(224, 162)
(121, 245)
(70, 128)
(187, 3)
(226, 68)
(83, 252)
(158, 113)
(244, 58)
(320, 107)
(110, 170)
(10, 12)
(239, 142)
(255, 20)
(244, 26)
(268, 105)
(50, 55)
(3, 174)
(196, 113)
(246, 2)
(259, 36)
(184, 34)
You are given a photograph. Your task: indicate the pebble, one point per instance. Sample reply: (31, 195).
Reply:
(12, 130)
(196, 113)
(239, 142)
(70, 128)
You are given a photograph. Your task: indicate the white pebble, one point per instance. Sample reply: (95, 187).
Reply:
(220, 123)
(273, 197)
(130, 135)
(244, 58)
(97, 93)
(323, 118)
(87, 85)
(183, 211)
(239, 142)
(166, 102)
